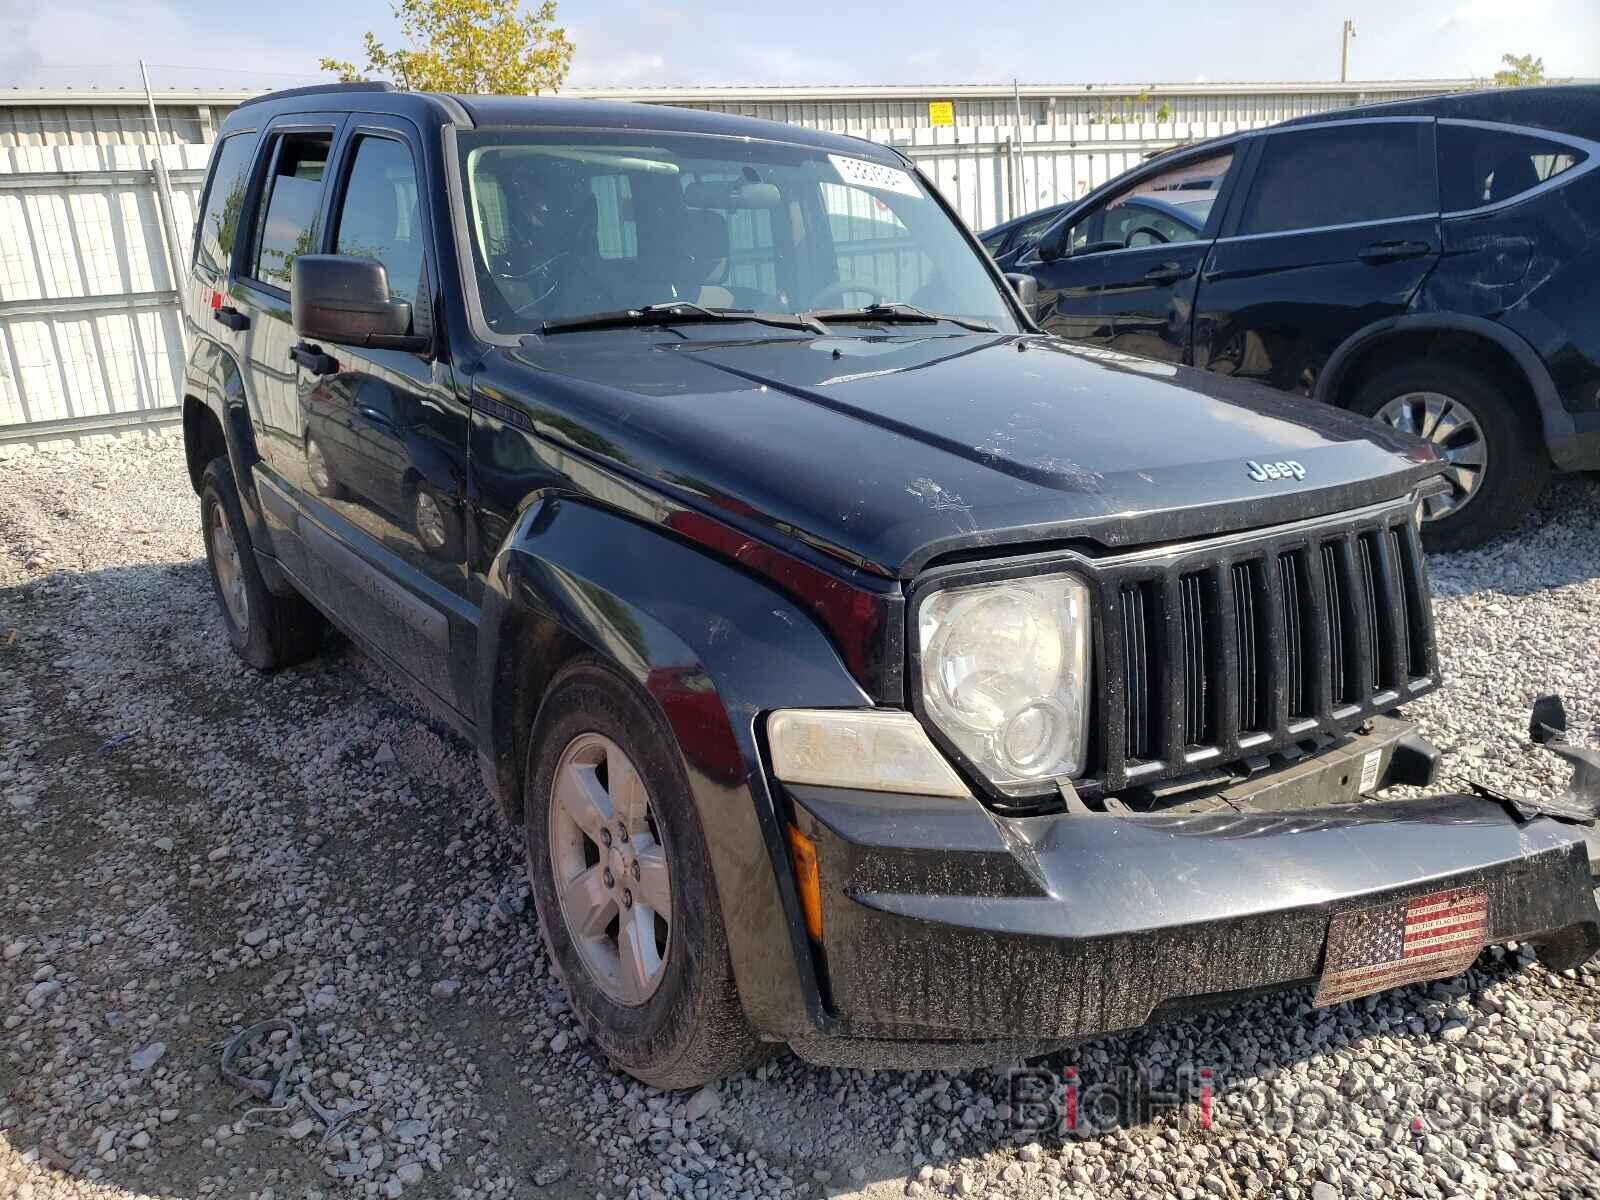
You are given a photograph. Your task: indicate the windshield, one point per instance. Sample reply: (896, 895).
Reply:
(566, 225)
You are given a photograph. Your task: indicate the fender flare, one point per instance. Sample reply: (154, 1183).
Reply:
(1555, 420)
(222, 391)
(575, 575)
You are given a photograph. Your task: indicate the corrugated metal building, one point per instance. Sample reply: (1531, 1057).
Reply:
(92, 250)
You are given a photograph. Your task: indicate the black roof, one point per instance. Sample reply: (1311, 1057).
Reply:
(489, 112)
(1564, 108)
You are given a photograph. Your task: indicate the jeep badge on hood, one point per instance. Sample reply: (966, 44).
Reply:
(1261, 472)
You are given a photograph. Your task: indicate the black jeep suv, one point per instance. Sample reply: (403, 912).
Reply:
(868, 671)
(1431, 263)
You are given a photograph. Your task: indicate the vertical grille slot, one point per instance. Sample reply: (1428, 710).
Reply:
(1299, 648)
(1406, 651)
(1419, 639)
(1336, 624)
(1197, 724)
(1380, 625)
(1139, 696)
(1253, 642)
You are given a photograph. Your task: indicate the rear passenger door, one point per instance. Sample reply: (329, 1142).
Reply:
(1338, 227)
(289, 199)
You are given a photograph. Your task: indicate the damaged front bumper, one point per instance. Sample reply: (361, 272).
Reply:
(955, 936)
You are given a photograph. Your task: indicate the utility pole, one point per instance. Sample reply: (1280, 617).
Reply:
(1348, 32)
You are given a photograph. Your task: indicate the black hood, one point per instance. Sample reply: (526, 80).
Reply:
(893, 450)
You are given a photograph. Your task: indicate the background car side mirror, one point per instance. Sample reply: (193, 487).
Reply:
(1052, 243)
(1027, 289)
(343, 299)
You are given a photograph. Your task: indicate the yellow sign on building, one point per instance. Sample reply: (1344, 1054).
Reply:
(941, 112)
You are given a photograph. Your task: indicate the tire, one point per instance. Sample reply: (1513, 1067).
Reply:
(267, 631)
(1516, 466)
(690, 1029)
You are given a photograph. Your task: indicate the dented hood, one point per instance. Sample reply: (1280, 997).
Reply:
(893, 450)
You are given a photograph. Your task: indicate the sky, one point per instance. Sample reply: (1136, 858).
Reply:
(239, 43)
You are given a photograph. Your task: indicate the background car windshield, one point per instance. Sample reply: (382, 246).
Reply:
(571, 225)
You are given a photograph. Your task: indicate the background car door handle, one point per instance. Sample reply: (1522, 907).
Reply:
(230, 316)
(1382, 252)
(1168, 272)
(313, 359)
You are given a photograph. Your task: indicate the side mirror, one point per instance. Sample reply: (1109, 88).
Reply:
(345, 300)
(1027, 289)
(1052, 244)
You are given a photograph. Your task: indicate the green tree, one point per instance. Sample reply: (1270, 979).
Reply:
(1520, 71)
(476, 46)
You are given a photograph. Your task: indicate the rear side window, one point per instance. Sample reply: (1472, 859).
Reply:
(219, 219)
(1340, 175)
(1480, 166)
(379, 216)
(287, 224)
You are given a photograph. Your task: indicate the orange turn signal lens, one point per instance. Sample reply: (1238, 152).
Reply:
(803, 857)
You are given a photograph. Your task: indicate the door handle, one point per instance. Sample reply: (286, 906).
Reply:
(373, 415)
(230, 316)
(313, 359)
(1168, 272)
(1382, 252)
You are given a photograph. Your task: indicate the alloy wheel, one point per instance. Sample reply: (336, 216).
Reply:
(317, 467)
(430, 521)
(610, 868)
(1457, 438)
(230, 571)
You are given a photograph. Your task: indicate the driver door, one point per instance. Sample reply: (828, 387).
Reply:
(1166, 224)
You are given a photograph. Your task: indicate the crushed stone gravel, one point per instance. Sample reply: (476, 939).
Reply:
(189, 848)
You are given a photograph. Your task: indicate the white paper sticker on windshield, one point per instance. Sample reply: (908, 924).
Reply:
(863, 173)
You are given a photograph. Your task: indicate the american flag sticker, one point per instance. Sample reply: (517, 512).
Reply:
(1431, 937)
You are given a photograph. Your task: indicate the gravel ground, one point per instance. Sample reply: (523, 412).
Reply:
(187, 848)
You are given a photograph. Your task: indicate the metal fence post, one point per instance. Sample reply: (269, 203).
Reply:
(169, 225)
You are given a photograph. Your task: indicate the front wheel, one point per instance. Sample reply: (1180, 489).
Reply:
(1497, 465)
(622, 883)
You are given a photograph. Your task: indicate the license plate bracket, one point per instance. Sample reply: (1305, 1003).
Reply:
(1405, 941)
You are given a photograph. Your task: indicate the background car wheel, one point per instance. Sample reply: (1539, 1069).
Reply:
(622, 883)
(434, 518)
(1499, 466)
(267, 631)
(318, 471)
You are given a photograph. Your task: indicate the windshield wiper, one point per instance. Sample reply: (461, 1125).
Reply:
(681, 312)
(897, 311)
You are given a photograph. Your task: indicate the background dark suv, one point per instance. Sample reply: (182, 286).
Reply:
(1430, 263)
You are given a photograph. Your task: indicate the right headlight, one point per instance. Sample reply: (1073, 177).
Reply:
(1005, 676)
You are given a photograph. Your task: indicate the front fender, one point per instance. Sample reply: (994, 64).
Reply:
(714, 647)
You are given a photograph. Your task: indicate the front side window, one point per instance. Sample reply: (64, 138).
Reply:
(219, 218)
(1170, 206)
(569, 225)
(1341, 175)
(379, 217)
(1479, 166)
(293, 198)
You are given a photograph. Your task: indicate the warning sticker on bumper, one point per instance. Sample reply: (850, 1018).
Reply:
(1431, 937)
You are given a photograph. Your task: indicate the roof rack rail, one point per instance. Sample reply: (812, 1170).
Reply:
(318, 89)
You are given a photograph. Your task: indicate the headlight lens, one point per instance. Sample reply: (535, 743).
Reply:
(1005, 675)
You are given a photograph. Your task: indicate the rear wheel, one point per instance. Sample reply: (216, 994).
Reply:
(622, 882)
(1497, 464)
(267, 631)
